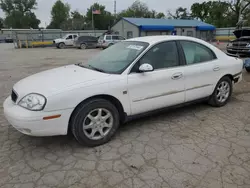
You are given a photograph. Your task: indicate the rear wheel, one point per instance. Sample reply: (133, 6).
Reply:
(94, 123)
(83, 46)
(222, 92)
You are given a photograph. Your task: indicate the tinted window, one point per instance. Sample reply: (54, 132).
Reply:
(69, 37)
(163, 55)
(82, 38)
(196, 53)
(115, 37)
(120, 38)
(108, 37)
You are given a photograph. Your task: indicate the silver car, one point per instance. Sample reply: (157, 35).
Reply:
(106, 41)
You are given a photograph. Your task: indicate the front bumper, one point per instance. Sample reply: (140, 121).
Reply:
(32, 122)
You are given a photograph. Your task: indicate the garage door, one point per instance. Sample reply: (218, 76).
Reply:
(152, 33)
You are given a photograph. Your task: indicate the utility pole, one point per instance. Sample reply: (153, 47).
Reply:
(115, 8)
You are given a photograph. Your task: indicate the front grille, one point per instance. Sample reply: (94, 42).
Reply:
(241, 44)
(13, 96)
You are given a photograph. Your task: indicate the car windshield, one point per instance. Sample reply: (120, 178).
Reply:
(116, 58)
(65, 36)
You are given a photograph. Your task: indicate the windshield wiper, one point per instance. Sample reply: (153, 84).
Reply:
(96, 69)
(90, 67)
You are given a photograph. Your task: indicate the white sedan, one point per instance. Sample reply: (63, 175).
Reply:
(130, 78)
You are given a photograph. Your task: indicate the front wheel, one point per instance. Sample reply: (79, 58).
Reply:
(222, 92)
(61, 45)
(94, 123)
(83, 46)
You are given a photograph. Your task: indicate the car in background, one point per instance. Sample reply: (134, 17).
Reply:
(247, 64)
(241, 45)
(65, 41)
(108, 40)
(131, 78)
(84, 42)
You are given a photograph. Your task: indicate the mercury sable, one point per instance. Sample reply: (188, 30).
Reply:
(137, 76)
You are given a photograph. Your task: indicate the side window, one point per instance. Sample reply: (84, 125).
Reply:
(108, 37)
(121, 38)
(69, 37)
(75, 36)
(196, 53)
(163, 55)
(115, 37)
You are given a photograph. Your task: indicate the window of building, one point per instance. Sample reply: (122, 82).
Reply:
(129, 34)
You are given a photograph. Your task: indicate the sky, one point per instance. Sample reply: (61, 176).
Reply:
(44, 6)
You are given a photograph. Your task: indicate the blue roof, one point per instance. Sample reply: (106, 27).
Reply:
(169, 24)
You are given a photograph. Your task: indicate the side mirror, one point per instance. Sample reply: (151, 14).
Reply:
(146, 68)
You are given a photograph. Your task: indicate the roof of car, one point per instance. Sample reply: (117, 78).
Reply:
(156, 39)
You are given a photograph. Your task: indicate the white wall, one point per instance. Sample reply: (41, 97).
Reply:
(123, 27)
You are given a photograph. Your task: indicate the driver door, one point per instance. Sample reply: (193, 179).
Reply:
(162, 87)
(69, 40)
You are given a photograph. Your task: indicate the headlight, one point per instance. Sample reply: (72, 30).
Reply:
(34, 102)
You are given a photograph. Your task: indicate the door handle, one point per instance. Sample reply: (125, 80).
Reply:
(216, 68)
(176, 76)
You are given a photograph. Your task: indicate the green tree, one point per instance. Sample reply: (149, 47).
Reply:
(200, 10)
(138, 9)
(19, 13)
(102, 21)
(1, 23)
(76, 21)
(160, 15)
(180, 13)
(238, 7)
(59, 15)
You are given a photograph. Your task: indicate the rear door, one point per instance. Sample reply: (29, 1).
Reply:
(202, 70)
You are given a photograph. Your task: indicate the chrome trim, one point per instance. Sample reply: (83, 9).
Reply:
(197, 87)
(160, 95)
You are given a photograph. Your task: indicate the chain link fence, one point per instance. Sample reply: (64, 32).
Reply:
(44, 38)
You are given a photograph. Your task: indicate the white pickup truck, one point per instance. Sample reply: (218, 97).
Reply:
(67, 40)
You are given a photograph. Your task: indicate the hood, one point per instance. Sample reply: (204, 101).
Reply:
(55, 80)
(242, 33)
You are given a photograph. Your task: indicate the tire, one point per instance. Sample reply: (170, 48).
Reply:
(83, 46)
(225, 87)
(248, 69)
(86, 114)
(61, 45)
(110, 45)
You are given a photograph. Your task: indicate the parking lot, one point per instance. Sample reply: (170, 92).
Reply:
(191, 147)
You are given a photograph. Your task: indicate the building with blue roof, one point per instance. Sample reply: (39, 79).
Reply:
(136, 27)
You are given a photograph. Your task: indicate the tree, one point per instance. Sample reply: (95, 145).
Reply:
(139, 10)
(75, 22)
(59, 15)
(102, 21)
(238, 8)
(200, 10)
(180, 13)
(160, 15)
(1, 23)
(19, 13)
